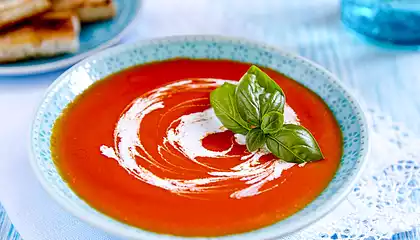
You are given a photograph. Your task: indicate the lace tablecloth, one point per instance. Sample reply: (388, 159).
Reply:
(387, 199)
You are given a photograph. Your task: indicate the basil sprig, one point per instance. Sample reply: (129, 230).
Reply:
(255, 108)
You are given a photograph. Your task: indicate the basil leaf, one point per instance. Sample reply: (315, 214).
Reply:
(223, 101)
(294, 143)
(272, 122)
(247, 96)
(264, 80)
(255, 139)
(258, 94)
(271, 102)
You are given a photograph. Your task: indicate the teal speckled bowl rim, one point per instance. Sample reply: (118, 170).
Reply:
(269, 232)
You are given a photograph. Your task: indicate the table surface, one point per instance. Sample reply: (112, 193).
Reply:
(382, 77)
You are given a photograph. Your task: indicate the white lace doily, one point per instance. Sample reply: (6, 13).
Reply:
(387, 198)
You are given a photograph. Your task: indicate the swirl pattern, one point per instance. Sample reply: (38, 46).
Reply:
(191, 156)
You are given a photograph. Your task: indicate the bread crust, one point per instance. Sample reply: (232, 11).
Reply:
(60, 5)
(97, 10)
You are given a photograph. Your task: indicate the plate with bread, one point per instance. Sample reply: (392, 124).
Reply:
(44, 35)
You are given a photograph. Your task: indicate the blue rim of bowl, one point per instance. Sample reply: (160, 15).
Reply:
(67, 62)
(102, 224)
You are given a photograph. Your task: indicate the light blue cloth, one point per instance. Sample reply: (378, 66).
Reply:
(7, 231)
(385, 78)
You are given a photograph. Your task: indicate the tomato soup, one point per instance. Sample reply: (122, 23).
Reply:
(144, 146)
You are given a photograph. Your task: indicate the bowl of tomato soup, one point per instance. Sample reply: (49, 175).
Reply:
(129, 141)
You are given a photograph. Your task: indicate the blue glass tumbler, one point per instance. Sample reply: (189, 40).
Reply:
(395, 22)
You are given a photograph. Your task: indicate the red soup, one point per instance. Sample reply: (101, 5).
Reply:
(144, 147)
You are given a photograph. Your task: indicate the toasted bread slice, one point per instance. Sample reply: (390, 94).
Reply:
(88, 10)
(51, 34)
(14, 11)
(63, 5)
(59, 20)
(97, 10)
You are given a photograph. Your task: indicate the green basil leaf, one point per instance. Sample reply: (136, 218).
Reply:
(258, 94)
(247, 97)
(264, 80)
(294, 143)
(255, 139)
(223, 101)
(272, 122)
(271, 102)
